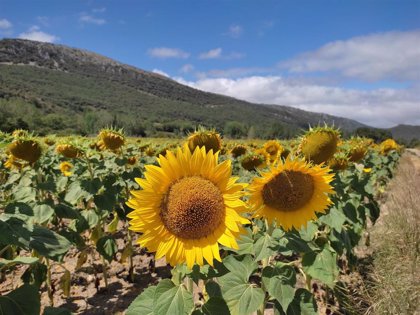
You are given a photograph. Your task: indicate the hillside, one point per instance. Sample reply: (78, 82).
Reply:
(405, 132)
(54, 88)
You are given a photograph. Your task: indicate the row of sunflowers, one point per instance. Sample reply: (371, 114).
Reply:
(245, 225)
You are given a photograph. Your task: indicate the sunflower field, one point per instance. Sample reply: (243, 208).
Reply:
(243, 226)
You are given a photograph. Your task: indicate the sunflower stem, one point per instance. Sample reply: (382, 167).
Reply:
(49, 283)
(104, 271)
(89, 166)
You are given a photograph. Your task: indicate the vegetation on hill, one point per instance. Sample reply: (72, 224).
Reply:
(56, 89)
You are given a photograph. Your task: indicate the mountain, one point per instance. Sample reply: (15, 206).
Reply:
(54, 88)
(405, 132)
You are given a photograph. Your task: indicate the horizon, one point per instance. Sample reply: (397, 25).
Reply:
(261, 53)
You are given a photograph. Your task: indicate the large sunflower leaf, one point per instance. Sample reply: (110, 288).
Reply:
(164, 299)
(22, 301)
(321, 265)
(48, 243)
(263, 247)
(143, 304)
(241, 296)
(279, 282)
(171, 299)
(302, 304)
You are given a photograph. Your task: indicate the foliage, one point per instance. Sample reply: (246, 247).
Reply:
(44, 214)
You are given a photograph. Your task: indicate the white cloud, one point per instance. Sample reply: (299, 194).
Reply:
(235, 31)
(211, 54)
(163, 73)
(35, 33)
(85, 18)
(43, 20)
(379, 108)
(5, 24)
(165, 52)
(382, 56)
(99, 10)
(187, 68)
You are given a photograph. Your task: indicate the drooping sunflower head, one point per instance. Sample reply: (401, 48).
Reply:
(257, 159)
(319, 144)
(274, 149)
(209, 139)
(388, 145)
(188, 205)
(65, 168)
(291, 193)
(111, 139)
(357, 150)
(25, 148)
(68, 150)
(238, 150)
(339, 162)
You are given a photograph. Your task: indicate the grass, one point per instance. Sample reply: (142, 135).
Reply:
(391, 283)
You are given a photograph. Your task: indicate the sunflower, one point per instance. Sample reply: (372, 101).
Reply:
(274, 149)
(210, 139)
(26, 149)
(65, 168)
(189, 204)
(319, 144)
(291, 192)
(111, 139)
(388, 145)
(238, 150)
(68, 150)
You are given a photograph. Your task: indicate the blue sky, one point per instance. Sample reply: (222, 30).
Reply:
(357, 59)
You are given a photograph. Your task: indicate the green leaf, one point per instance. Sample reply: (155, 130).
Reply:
(215, 306)
(107, 247)
(279, 282)
(22, 301)
(143, 304)
(91, 217)
(65, 283)
(19, 207)
(75, 192)
(48, 243)
(303, 304)
(171, 299)
(42, 213)
(321, 265)
(56, 311)
(24, 194)
(263, 247)
(213, 289)
(307, 233)
(18, 260)
(246, 243)
(241, 296)
(334, 219)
